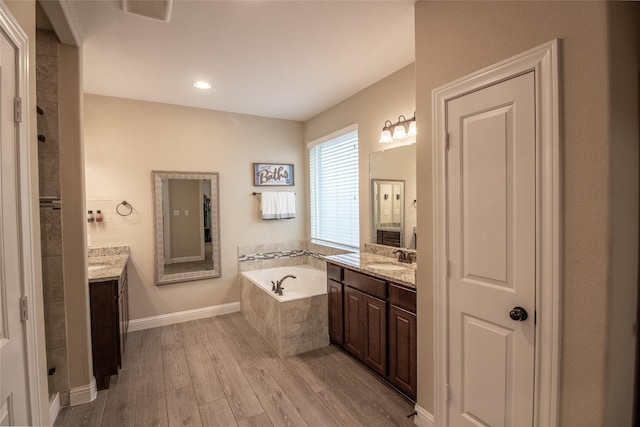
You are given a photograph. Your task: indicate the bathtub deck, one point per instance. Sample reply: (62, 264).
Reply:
(221, 372)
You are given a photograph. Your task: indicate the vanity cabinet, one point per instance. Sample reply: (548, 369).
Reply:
(335, 290)
(388, 238)
(403, 348)
(109, 308)
(374, 320)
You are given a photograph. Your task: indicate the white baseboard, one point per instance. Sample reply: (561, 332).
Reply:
(83, 394)
(54, 408)
(182, 316)
(423, 417)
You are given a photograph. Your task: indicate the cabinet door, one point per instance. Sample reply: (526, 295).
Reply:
(104, 331)
(402, 350)
(354, 304)
(335, 311)
(375, 334)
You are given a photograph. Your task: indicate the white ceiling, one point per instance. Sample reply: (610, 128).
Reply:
(283, 59)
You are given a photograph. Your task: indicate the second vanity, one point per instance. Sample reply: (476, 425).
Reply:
(372, 314)
(109, 308)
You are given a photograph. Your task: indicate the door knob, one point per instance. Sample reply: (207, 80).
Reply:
(518, 314)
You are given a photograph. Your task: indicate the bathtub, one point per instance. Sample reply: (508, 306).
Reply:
(295, 322)
(309, 281)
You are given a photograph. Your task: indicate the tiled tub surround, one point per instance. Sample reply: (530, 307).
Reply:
(284, 254)
(107, 263)
(289, 326)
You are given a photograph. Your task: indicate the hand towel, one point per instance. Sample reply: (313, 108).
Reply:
(269, 204)
(287, 204)
(278, 205)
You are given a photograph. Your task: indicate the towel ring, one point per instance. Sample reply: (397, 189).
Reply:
(125, 205)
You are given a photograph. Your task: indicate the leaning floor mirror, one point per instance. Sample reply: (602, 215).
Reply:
(187, 229)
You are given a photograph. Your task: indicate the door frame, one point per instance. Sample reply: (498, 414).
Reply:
(543, 60)
(33, 346)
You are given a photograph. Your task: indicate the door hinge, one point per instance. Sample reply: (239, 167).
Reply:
(446, 141)
(17, 109)
(24, 309)
(447, 392)
(448, 268)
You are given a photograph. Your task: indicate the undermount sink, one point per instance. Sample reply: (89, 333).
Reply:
(97, 267)
(388, 267)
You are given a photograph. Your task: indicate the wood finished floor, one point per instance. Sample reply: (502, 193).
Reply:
(220, 372)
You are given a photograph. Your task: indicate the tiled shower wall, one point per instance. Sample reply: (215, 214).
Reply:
(50, 214)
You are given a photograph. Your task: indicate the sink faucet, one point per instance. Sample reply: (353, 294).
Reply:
(277, 286)
(404, 256)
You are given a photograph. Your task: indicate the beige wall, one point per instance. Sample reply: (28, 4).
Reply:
(74, 246)
(125, 140)
(454, 39)
(369, 109)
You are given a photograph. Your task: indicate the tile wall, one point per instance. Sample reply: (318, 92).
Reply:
(50, 214)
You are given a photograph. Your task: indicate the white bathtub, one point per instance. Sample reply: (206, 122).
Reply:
(309, 281)
(292, 323)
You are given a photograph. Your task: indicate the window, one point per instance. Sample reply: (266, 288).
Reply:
(333, 177)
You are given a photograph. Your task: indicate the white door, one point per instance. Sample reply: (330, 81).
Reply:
(13, 377)
(491, 219)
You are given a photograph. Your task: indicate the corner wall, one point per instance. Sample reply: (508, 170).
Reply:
(454, 39)
(125, 140)
(369, 109)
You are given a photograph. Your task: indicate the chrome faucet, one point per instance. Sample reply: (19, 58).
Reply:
(404, 256)
(277, 286)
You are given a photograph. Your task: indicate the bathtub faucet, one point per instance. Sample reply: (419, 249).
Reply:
(278, 285)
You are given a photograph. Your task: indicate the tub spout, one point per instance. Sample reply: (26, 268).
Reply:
(278, 286)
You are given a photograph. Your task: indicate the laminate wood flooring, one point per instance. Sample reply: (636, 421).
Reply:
(220, 372)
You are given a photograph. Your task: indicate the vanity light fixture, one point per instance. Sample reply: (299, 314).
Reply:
(385, 136)
(402, 129)
(202, 85)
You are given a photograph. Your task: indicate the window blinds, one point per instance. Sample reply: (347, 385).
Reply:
(333, 169)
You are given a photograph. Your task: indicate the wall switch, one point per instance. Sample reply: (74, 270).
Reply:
(186, 212)
(176, 213)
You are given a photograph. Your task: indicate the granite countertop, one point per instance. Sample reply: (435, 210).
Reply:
(361, 262)
(107, 263)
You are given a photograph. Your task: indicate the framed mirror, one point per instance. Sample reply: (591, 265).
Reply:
(187, 226)
(397, 164)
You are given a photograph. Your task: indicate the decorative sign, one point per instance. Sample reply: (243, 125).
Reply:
(272, 174)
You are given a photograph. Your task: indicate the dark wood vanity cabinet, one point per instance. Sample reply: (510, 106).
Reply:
(388, 238)
(402, 340)
(375, 321)
(335, 290)
(109, 307)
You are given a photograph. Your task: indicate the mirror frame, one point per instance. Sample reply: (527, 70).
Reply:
(160, 277)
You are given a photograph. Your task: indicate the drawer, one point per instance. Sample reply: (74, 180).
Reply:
(334, 272)
(366, 284)
(402, 297)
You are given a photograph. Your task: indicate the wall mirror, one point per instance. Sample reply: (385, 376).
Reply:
(393, 220)
(187, 231)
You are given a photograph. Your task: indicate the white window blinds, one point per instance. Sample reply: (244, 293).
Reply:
(333, 169)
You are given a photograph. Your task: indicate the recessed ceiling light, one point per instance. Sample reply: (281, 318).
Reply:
(202, 85)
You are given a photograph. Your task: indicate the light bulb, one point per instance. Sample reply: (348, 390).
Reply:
(413, 129)
(399, 131)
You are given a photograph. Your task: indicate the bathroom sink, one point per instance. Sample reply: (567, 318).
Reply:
(97, 267)
(387, 267)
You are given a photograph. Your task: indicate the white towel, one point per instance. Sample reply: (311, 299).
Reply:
(278, 205)
(287, 204)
